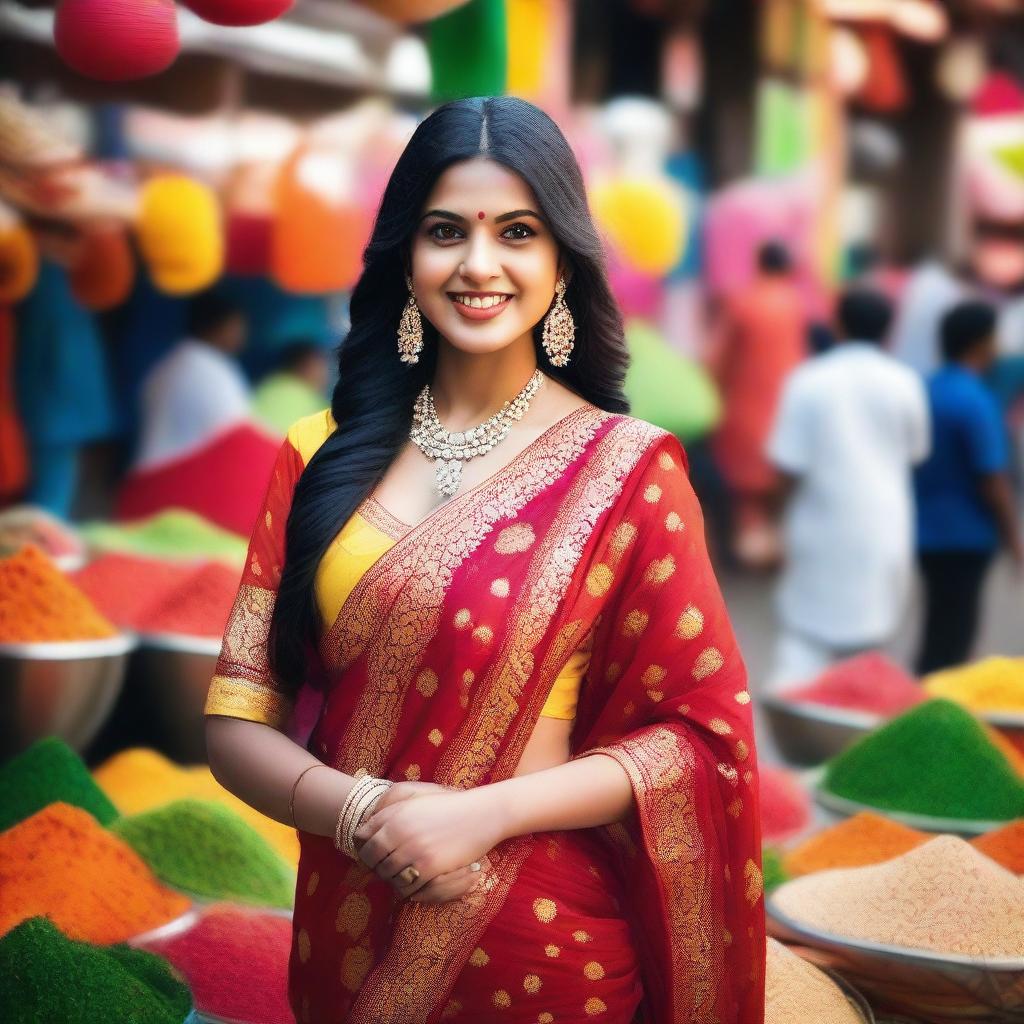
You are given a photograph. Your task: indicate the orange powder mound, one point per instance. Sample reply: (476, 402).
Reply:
(39, 604)
(865, 838)
(1004, 845)
(61, 864)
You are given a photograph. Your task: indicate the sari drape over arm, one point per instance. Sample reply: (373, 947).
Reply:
(666, 697)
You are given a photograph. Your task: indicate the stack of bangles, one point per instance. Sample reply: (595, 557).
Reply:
(358, 806)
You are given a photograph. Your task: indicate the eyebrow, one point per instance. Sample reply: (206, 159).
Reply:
(448, 215)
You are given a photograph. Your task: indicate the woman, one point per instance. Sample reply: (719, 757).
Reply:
(523, 635)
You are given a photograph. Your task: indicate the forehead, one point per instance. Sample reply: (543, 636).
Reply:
(481, 185)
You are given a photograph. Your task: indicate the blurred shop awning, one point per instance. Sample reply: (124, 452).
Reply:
(306, 60)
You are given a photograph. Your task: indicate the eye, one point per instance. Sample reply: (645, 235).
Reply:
(433, 232)
(521, 227)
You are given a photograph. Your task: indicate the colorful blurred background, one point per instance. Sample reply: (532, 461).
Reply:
(813, 213)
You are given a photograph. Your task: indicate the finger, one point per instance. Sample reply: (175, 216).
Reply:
(375, 849)
(377, 820)
(447, 887)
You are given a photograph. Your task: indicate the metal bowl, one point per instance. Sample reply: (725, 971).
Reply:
(172, 673)
(59, 689)
(808, 734)
(845, 808)
(930, 986)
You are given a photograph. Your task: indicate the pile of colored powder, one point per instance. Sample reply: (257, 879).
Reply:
(198, 607)
(943, 896)
(1005, 846)
(142, 780)
(62, 865)
(45, 773)
(38, 604)
(936, 759)
(773, 868)
(785, 805)
(995, 684)
(209, 851)
(46, 978)
(236, 963)
(797, 992)
(865, 838)
(174, 533)
(870, 683)
(225, 480)
(154, 596)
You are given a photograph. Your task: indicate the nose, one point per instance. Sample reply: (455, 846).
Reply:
(481, 263)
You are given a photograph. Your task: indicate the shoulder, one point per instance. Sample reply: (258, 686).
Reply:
(644, 437)
(309, 433)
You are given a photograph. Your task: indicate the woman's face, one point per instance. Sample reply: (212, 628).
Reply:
(481, 233)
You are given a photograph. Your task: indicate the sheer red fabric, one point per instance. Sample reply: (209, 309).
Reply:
(437, 668)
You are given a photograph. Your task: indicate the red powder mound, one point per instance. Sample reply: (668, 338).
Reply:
(236, 963)
(224, 481)
(870, 683)
(153, 596)
(785, 805)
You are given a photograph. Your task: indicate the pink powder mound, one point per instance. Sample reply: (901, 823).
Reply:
(785, 805)
(870, 683)
(235, 961)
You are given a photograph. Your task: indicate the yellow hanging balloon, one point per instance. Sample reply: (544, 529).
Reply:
(529, 37)
(180, 234)
(645, 219)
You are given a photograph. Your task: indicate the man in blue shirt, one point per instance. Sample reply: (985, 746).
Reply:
(965, 505)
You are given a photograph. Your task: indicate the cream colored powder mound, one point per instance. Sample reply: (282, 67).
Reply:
(797, 992)
(944, 896)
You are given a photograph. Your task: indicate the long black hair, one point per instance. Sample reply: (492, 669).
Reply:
(372, 402)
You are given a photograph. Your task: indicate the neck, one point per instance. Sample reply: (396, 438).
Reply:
(469, 387)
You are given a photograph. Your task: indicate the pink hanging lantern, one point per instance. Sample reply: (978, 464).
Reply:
(117, 40)
(238, 12)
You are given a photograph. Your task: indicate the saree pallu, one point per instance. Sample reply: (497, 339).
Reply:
(437, 668)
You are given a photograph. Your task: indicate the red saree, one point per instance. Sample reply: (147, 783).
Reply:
(437, 668)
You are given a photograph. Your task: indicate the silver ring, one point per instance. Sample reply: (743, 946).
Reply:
(475, 866)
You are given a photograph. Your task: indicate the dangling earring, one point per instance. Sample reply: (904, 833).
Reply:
(410, 329)
(559, 328)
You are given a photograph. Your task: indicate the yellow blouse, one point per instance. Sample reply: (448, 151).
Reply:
(359, 544)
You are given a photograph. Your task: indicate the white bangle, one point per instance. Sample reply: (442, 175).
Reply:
(363, 795)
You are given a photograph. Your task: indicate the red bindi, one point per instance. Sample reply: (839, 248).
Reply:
(480, 215)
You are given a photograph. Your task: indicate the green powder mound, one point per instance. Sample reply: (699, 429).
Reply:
(772, 869)
(47, 977)
(936, 759)
(175, 533)
(208, 851)
(49, 771)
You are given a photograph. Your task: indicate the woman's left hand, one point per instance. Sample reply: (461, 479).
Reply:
(435, 834)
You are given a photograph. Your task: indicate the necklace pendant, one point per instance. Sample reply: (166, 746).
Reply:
(448, 475)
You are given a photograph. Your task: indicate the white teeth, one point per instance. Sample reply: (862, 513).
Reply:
(477, 303)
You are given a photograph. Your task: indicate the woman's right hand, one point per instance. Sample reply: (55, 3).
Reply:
(406, 791)
(451, 886)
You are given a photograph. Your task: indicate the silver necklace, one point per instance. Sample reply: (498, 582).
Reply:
(450, 449)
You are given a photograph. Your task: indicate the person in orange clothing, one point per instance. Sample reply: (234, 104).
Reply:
(759, 340)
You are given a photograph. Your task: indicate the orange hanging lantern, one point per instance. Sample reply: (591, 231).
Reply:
(117, 40)
(19, 262)
(320, 227)
(103, 271)
(238, 12)
(885, 88)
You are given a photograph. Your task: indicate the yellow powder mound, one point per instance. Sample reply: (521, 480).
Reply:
(796, 992)
(995, 684)
(140, 779)
(865, 838)
(944, 896)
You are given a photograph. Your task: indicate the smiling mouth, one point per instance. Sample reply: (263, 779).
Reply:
(480, 301)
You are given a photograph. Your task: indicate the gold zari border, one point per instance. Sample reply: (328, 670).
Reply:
(239, 698)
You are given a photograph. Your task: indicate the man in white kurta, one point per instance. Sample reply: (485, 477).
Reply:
(198, 388)
(851, 426)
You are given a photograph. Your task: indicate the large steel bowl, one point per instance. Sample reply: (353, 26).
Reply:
(172, 673)
(808, 734)
(927, 985)
(59, 689)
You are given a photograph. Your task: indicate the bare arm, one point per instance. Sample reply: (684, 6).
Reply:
(997, 492)
(259, 765)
